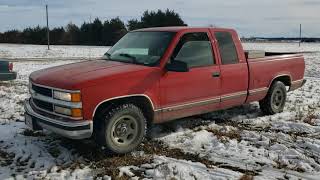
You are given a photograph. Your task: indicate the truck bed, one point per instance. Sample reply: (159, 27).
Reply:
(290, 65)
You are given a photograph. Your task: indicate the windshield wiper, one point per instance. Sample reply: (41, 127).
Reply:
(128, 56)
(134, 59)
(106, 56)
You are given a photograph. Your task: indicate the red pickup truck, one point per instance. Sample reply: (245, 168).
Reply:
(155, 75)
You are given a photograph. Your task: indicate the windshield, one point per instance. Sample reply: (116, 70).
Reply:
(144, 48)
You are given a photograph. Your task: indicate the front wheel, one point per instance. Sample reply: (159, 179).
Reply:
(275, 100)
(121, 129)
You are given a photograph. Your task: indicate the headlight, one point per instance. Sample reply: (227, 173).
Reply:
(75, 112)
(62, 110)
(64, 96)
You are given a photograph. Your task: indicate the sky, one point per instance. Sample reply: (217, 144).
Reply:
(262, 18)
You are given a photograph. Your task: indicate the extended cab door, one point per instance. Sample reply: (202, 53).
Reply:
(234, 69)
(198, 90)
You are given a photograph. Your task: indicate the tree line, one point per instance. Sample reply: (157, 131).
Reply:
(98, 33)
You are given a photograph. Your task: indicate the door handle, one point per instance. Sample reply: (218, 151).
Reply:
(216, 74)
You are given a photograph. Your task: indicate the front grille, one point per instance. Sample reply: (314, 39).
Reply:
(42, 90)
(43, 105)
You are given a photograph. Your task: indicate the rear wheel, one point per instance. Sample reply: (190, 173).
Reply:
(121, 129)
(275, 100)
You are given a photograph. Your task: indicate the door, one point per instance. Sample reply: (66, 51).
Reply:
(196, 91)
(234, 69)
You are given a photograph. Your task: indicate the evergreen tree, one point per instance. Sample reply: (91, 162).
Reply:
(95, 33)
(156, 19)
(57, 35)
(72, 34)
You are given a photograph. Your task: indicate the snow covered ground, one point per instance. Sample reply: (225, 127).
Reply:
(231, 144)
(18, 51)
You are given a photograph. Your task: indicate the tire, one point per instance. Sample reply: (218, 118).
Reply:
(275, 100)
(121, 129)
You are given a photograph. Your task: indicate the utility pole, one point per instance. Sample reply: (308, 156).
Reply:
(48, 30)
(300, 35)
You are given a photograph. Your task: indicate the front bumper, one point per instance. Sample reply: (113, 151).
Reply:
(7, 76)
(72, 129)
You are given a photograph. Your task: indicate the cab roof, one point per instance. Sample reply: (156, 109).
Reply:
(180, 28)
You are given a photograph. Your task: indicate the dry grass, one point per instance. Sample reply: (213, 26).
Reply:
(28, 132)
(158, 148)
(109, 165)
(224, 135)
(310, 117)
(6, 159)
(246, 177)
(232, 134)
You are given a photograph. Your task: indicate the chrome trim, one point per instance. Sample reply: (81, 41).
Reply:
(297, 84)
(259, 90)
(79, 134)
(125, 96)
(73, 134)
(276, 58)
(54, 113)
(55, 101)
(57, 89)
(280, 75)
(203, 102)
(233, 95)
(187, 105)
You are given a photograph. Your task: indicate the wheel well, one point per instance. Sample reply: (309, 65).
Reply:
(140, 101)
(286, 80)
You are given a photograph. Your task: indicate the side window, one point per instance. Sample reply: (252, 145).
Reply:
(194, 49)
(227, 48)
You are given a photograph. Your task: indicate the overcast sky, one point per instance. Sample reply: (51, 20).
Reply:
(249, 17)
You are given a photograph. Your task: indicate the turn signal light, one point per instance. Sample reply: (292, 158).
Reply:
(75, 97)
(76, 112)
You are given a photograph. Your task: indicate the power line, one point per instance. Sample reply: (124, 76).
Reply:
(48, 30)
(300, 35)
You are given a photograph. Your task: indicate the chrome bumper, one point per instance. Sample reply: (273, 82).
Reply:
(73, 129)
(8, 76)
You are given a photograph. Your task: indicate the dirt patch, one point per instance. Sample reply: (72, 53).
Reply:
(246, 177)
(105, 164)
(101, 162)
(28, 132)
(231, 134)
(6, 159)
(158, 148)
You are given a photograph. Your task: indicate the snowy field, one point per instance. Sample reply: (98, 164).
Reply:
(35, 52)
(239, 143)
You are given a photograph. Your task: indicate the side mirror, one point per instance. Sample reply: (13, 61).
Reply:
(177, 66)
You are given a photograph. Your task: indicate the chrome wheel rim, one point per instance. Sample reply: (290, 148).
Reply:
(124, 130)
(277, 98)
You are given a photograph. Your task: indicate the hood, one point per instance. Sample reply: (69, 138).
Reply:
(76, 75)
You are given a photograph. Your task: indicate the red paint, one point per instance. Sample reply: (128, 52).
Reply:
(101, 80)
(10, 67)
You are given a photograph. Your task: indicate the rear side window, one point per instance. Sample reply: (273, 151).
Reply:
(227, 48)
(194, 49)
